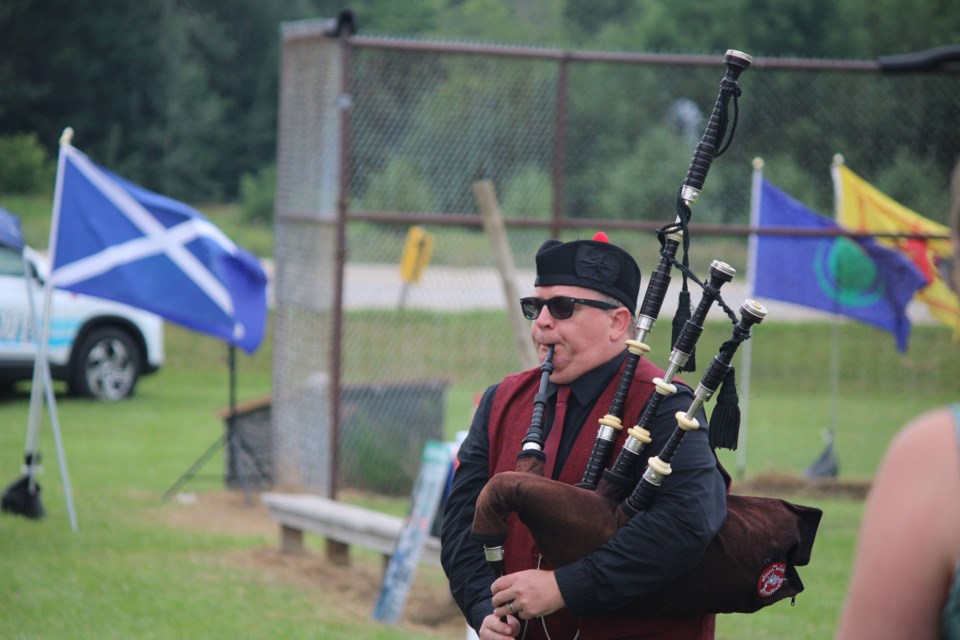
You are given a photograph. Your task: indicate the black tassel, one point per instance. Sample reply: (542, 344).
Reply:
(725, 420)
(680, 319)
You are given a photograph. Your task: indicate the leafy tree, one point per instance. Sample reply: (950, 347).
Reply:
(87, 68)
(529, 22)
(182, 96)
(901, 26)
(24, 165)
(179, 97)
(257, 195)
(643, 184)
(586, 19)
(917, 182)
(470, 130)
(528, 194)
(400, 186)
(393, 18)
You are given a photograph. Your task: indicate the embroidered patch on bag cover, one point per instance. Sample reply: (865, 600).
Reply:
(771, 579)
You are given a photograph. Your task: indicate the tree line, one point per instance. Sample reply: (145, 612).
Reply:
(181, 95)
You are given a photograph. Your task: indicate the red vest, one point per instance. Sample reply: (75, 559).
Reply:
(510, 418)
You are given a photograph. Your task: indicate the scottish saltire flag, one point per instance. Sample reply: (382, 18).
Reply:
(863, 207)
(10, 232)
(854, 278)
(113, 239)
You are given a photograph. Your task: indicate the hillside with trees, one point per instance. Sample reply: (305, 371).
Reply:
(181, 95)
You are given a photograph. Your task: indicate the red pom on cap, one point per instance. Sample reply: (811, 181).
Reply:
(600, 236)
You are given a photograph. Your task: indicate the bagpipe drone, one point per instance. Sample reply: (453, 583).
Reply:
(751, 562)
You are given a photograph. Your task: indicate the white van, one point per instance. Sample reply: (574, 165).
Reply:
(99, 347)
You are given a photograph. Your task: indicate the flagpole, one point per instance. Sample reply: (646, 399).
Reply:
(837, 186)
(42, 365)
(41, 370)
(31, 463)
(746, 360)
(835, 330)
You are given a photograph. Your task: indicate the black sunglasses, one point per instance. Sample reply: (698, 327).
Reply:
(560, 307)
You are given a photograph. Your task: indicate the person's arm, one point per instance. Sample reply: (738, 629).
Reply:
(666, 540)
(908, 537)
(462, 558)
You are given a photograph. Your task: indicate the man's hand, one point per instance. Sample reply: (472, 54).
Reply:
(526, 594)
(493, 628)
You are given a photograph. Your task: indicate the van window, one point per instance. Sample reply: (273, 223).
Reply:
(11, 262)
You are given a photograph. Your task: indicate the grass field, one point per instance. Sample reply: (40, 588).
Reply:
(128, 572)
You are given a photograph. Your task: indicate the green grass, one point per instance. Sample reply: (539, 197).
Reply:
(125, 573)
(34, 212)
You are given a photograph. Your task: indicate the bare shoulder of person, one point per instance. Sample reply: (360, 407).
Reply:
(932, 429)
(921, 473)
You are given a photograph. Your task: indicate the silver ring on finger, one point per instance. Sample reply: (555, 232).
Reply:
(512, 608)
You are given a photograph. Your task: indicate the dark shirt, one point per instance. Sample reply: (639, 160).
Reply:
(652, 549)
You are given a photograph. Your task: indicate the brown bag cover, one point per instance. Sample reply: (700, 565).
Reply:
(751, 562)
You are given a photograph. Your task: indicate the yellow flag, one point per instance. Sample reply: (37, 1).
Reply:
(862, 207)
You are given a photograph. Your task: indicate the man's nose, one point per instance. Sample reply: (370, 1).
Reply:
(545, 317)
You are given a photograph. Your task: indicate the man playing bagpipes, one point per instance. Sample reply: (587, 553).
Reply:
(582, 313)
(541, 533)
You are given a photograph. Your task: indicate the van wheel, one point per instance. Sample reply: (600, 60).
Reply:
(107, 365)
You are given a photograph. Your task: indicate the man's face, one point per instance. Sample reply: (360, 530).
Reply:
(583, 341)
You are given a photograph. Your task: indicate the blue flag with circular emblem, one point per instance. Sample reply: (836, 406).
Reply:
(856, 278)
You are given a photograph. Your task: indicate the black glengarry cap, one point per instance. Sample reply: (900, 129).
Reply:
(594, 264)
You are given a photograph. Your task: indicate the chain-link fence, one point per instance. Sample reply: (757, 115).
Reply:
(379, 134)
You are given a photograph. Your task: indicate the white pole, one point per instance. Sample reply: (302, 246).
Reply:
(32, 462)
(745, 349)
(835, 330)
(41, 368)
(834, 374)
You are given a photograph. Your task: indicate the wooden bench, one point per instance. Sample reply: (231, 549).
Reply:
(341, 524)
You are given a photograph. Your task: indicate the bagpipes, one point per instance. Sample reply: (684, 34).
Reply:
(751, 562)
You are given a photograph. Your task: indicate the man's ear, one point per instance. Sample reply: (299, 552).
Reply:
(620, 321)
